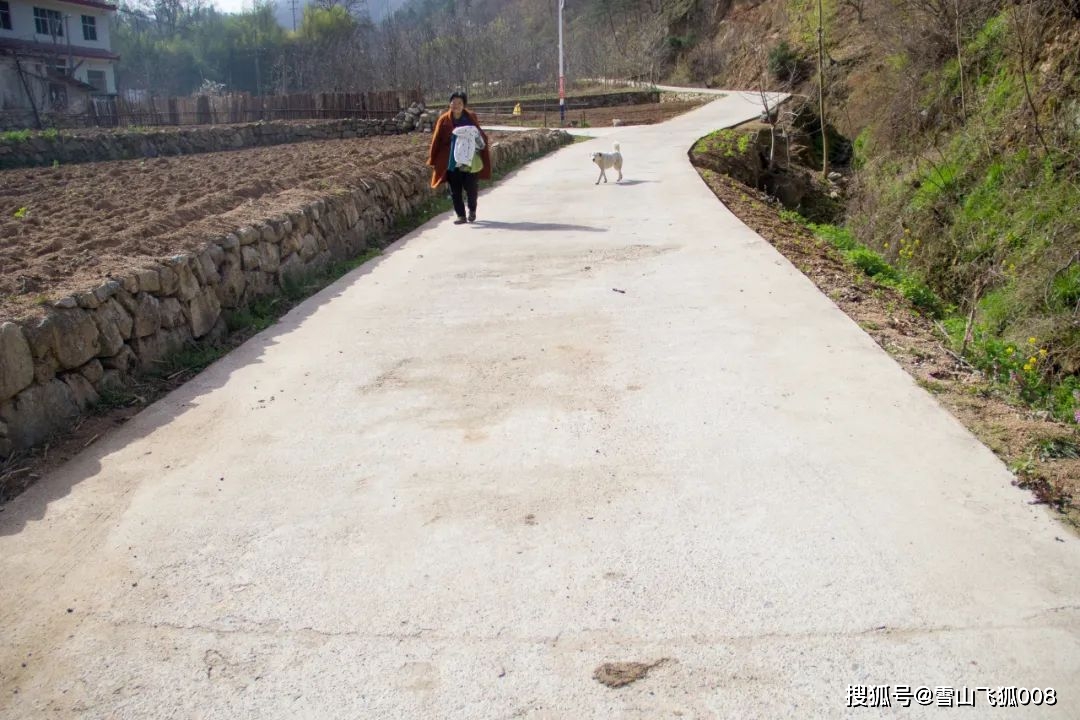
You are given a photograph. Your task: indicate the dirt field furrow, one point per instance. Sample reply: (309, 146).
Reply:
(64, 228)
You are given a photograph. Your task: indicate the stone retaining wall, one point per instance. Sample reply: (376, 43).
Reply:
(54, 366)
(127, 144)
(670, 97)
(629, 97)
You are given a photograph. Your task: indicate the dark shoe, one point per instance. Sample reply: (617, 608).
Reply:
(460, 221)
(472, 216)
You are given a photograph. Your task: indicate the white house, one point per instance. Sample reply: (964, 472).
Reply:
(55, 55)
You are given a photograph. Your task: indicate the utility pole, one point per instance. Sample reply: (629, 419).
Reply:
(821, 92)
(29, 92)
(562, 76)
(292, 4)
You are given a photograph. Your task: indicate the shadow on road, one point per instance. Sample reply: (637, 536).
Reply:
(535, 227)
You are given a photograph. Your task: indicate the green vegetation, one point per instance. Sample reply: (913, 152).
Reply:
(14, 136)
(874, 265)
(783, 62)
(187, 47)
(727, 143)
(974, 216)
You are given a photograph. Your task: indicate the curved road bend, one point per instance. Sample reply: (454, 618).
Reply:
(605, 424)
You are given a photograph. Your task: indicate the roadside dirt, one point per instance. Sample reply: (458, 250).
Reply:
(618, 674)
(1039, 450)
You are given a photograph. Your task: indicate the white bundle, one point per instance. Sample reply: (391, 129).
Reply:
(465, 145)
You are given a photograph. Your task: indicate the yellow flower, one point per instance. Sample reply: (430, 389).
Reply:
(886, 246)
(1042, 352)
(1010, 350)
(907, 231)
(1033, 360)
(1027, 368)
(1031, 341)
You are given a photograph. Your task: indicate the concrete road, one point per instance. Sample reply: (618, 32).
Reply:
(604, 424)
(580, 132)
(618, 84)
(744, 98)
(751, 95)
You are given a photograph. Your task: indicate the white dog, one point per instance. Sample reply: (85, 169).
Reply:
(606, 161)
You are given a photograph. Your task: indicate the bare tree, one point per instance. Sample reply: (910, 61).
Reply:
(857, 5)
(356, 8)
(779, 121)
(1023, 34)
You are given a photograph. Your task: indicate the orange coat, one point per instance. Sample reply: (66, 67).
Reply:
(439, 152)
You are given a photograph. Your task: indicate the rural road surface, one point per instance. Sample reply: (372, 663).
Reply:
(605, 424)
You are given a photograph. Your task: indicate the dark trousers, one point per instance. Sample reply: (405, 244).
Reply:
(463, 181)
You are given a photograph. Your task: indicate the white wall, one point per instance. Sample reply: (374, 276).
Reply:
(23, 26)
(12, 92)
(103, 65)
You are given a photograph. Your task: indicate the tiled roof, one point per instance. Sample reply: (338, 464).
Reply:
(44, 49)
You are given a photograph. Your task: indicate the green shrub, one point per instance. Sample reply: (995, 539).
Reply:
(872, 264)
(783, 63)
(840, 237)
(921, 296)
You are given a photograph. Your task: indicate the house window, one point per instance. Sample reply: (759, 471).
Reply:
(97, 79)
(58, 99)
(53, 71)
(5, 15)
(48, 22)
(89, 27)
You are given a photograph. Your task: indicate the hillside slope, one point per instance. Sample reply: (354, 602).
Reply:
(965, 170)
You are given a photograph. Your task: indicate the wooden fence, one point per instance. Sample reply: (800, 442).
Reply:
(240, 108)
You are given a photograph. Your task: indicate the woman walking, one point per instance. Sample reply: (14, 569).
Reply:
(445, 168)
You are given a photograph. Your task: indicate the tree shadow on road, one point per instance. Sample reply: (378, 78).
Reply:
(534, 226)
